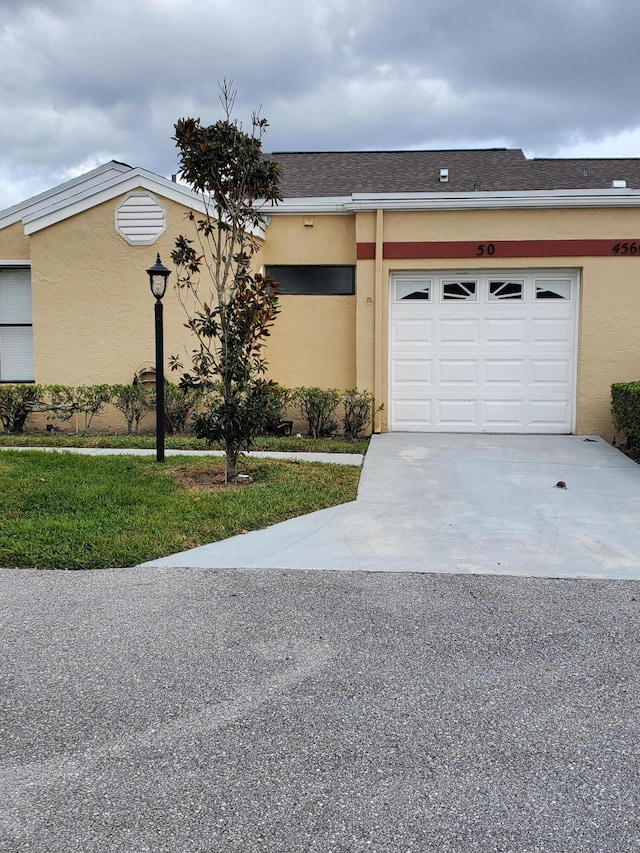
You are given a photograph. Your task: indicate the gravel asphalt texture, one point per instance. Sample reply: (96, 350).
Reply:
(299, 712)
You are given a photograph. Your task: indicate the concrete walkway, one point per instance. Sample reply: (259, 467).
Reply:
(483, 504)
(334, 458)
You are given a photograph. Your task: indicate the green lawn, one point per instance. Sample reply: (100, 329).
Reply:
(65, 511)
(179, 442)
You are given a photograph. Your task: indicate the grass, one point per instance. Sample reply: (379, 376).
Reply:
(180, 442)
(64, 511)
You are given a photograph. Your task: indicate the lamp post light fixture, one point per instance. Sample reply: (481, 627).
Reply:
(158, 275)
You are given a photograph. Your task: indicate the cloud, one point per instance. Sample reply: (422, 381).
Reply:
(82, 79)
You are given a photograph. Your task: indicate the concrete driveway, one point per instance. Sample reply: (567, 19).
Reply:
(484, 504)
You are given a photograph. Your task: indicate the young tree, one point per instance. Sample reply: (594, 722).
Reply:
(230, 308)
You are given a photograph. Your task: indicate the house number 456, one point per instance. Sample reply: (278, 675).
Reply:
(625, 248)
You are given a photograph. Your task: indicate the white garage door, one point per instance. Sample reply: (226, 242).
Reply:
(483, 352)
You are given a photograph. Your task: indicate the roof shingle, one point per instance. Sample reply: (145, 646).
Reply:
(317, 174)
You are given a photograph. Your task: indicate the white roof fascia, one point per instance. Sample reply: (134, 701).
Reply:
(66, 190)
(488, 200)
(320, 204)
(119, 185)
(458, 201)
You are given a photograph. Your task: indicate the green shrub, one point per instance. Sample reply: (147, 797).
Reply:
(16, 402)
(179, 404)
(242, 416)
(357, 412)
(133, 402)
(318, 406)
(270, 401)
(625, 407)
(88, 400)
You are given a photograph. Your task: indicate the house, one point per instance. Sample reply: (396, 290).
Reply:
(473, 291)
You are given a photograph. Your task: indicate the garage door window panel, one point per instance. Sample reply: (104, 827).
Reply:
(512, 290)
(466, 291)
(553, 289)
(412, 291)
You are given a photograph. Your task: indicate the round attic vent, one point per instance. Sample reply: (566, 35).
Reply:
(140, 219)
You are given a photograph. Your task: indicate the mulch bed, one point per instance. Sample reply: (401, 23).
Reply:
(206, 479)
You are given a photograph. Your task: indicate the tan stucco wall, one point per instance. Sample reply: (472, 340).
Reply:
(485, 225)
(609, 338)
(312, 342)
(313, 339)
(93, 312)
(92, 307)
(14, 244)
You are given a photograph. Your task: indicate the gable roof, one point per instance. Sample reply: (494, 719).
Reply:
(95, 187)
(339, 173)
(344, 173)
(499, 178)
(84, 196)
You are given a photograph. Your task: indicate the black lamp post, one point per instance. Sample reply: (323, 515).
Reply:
(158, 275)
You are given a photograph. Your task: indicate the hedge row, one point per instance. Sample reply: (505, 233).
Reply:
(325, 411)
(625, 408)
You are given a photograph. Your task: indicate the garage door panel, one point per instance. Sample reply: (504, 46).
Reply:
(548, 414)
(547, 331)
(551, 372)
(457, 372)
(485, 364)
(451, 331)
(504, 332)
(504, 371)
(412, 331)
(501, 415)
(411, 371)
(412, 413)
(456, 413)
(414, 391)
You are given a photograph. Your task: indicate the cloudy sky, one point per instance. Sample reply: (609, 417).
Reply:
(85, 81)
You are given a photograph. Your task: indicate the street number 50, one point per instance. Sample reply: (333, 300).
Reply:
(486, 249)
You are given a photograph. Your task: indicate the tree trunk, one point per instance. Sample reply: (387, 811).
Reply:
(231, 461)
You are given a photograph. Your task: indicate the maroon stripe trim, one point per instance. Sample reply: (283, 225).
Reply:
(366, 251)
(502, 249)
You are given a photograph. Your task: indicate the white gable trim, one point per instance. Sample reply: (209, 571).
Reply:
(120, 185)
(63, 191)
(132, 180)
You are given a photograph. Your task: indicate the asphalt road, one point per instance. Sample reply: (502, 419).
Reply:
(265, 710)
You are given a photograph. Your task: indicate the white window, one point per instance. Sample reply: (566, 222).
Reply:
(16, 332)
(557, 288)
(506, 289)
(412, 290)
(460, 290)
